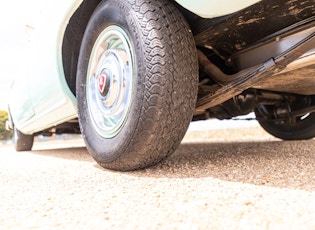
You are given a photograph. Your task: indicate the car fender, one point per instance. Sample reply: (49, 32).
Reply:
(211, 8)
(42, 98)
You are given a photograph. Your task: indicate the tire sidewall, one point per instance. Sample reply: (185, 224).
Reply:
(21, 141)
(301, 130)
(110, 13)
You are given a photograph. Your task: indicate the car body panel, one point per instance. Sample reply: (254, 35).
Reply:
(41, 98)
(211, 9)
(21, 106)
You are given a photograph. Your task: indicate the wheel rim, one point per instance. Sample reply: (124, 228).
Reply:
(109, 84)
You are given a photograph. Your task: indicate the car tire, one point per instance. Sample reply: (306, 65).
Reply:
(136, 83)
(22, 142)
(303, 128)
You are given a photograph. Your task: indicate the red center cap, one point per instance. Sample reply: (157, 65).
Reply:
(102, 83)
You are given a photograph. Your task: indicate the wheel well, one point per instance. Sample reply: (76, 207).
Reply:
(74, 34)
(72, 40)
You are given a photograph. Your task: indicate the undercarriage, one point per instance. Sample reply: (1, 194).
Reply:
(260, 60)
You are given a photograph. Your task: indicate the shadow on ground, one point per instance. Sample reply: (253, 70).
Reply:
(276, 163)
(288, 164)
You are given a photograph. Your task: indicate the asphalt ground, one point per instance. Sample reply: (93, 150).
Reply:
(217, 179)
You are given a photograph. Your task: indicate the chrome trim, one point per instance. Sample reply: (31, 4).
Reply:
(110, 78)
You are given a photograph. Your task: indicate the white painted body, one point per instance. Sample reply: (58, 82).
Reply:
(212, 8)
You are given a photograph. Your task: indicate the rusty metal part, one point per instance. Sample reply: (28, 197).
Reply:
(216, 74)
(252, 77)
(301, 78)
(260, 23)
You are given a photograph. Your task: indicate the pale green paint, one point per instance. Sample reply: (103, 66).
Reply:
(212, 8)
(46, 99)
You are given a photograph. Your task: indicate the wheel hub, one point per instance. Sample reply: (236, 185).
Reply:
(104, 83)
(110, 81)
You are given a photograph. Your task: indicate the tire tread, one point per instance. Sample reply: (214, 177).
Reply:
(170, 85)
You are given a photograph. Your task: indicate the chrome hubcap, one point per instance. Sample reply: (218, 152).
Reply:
(109, 82)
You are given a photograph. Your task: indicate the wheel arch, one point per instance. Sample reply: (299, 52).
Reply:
(72, 40)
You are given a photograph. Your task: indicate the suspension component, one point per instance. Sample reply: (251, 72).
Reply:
(237, 83)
